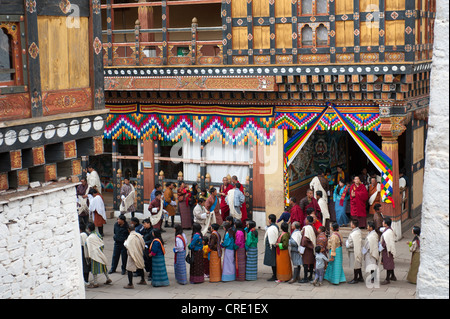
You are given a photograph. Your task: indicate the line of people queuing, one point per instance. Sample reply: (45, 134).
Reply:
(235, 256)
(308, 242)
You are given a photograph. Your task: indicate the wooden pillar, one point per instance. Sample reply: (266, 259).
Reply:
(202, 165)
(157, 154)
(391, 128)
(145, 16)
(116, 178)
(34, 70)
(140, 178)
(150, 178)
(250, 182)
(259, 200)
(390, 147)
(194, 39)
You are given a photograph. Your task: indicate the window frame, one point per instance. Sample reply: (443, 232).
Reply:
(313, 9)
(13, 26)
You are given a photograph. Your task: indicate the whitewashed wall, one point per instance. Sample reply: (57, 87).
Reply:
(433, 277)
(40, 254)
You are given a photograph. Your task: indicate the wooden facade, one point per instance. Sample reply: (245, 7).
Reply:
(52, 102)
(281, 54)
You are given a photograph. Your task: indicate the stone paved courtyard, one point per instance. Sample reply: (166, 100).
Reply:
(259, 289)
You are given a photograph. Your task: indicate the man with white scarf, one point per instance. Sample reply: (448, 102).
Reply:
(270, 242)
(234, 199)
(93, 179)
(353, 245)
(95, 246)
(135, 246)
(97, 209)
(388, 252)
(296, 251)
(370, 250)
(309, 234)
(127, 195)
(202, 216)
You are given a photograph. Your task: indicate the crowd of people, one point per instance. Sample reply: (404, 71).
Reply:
(308, 236)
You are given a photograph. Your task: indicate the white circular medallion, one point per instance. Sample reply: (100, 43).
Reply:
(85, 125)
(98, 123)
(36, 133)
(24, 135)
(74, 127)
(62, 130)
(49, 131)
(10, 137)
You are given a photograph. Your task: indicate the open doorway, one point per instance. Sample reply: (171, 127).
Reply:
(357, 160)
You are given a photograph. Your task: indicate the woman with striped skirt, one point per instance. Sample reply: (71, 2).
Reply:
(157, 252)
(251, 245)
(240, 251)
(215, 267)
(335, 271)
(180, 255)
(229, 265)
(196, 272)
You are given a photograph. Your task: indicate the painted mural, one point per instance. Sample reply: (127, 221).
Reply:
(324, 149)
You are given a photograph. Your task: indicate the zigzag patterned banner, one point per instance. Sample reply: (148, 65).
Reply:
(229, 125)
(380, 160)
(298, 117)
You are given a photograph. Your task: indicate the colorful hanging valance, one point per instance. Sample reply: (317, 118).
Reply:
(362, 117)
(227, 124)
(380, 160)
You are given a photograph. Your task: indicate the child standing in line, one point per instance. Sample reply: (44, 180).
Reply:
(321, 259)
(206, 254)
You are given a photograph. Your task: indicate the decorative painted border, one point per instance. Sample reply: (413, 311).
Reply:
(252, 71)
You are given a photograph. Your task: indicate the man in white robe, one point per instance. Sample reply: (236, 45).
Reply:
(97, 212)
(135, 246)
(234, 199)
(316, 185)
(370, 251)
(354, 249)
(202, 216)
(127, 195)
(93, 179)
(324, 210)
(95, 246)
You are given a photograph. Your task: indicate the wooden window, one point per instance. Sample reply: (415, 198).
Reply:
(307, 7)
(321, 7)
(10, 55)
(6, 61)
(313, 7)
(307, 36)
(321, 36)
(63, 65)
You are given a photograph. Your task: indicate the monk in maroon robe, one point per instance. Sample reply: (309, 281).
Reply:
(358, 201)
(296, 212)
(224, 188)
(309, 201)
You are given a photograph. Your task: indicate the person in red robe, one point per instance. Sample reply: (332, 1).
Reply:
(234, 181)
(224, 188)
(358, 201)
(296, 213)
(307, 202)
